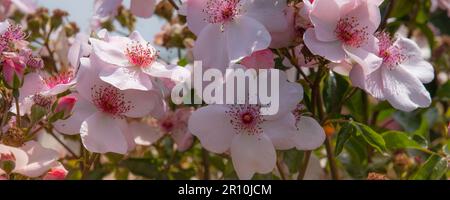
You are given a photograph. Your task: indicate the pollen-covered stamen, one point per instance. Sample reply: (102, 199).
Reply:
(61, 78)
(110, 100)
(43, 101)
(221, 11)
(350, 32)
(392, 55)
(141, 55)
(246, 118)
(14, 33)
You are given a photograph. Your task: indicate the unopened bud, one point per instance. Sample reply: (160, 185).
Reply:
(56, 173)
(65, 105)
(13, 66)
(7, 162)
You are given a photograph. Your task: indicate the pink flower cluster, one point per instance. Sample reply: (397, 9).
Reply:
(115, 95)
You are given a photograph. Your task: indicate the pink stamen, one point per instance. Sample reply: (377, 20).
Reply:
(392, 55)
(349, 31)
(61, 78)
(221, 11)
(109, 100)
(246, 118)
(141, 55)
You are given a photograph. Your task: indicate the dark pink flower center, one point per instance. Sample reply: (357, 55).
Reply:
(350, 32)
(246, 118)
(110, 100)
(392, 55)
(221, 11)
(61, 78)
(141, 55)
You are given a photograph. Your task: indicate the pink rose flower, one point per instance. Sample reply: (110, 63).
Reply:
(399, 78)
(342, 28)
(229, 30)
(100, 112)
(132, 62)
(250, 137)
(31, 160)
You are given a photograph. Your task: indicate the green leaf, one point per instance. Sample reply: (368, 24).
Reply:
(121, 173)
(444, 91)
(334, 89)
(344, 134)
(402, 8)
(433, 169)
(446, 148)
(16, 82)
(409, 121)
(370, 136)
(399, 140)
(144, 167)
(183, 62)
(423, 13)
(37, 113)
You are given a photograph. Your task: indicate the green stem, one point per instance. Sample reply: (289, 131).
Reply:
(331, 160)
(17, 112)
(205, 162)
(304, 166)
(280, 170)
(387, 13)
(89, 161)
(62, 144)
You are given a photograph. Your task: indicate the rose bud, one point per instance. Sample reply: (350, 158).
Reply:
(65, 105)
(56, 173)
(13, 66)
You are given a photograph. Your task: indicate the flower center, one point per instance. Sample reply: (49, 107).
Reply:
(246, 118)
(221, 11)
(349, 31)
(141, 55)
(392, 55)
(13, 33)
(43, 101)
(61, 78)
(109, 100)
